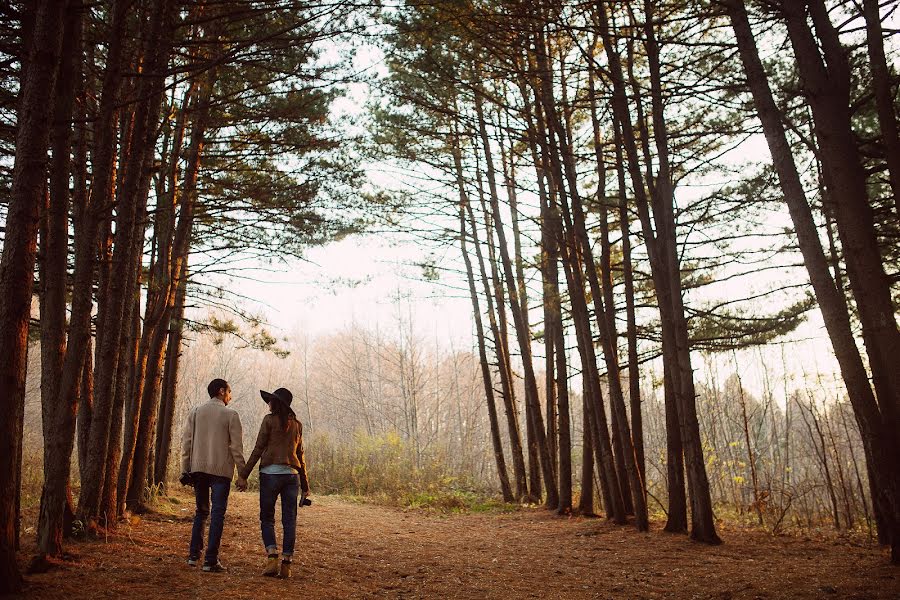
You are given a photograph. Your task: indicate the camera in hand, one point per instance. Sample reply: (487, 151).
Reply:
(305, 502)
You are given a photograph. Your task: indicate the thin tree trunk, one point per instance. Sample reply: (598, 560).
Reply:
(534, 475)
(586, 501)
(501, 349)
(172, 255)
(569, 253)
(702, 522)
(822, 454)
(751, 458)
(505, 487)
(634, 374)
(665, 267)
(85, 407)
(554, 334)
(625, 136)
(170, 383)
(92, 457)
(522, 331)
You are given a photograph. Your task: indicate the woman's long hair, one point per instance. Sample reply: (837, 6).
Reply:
(283, 412)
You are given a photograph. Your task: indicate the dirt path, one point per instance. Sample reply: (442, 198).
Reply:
(348, 550)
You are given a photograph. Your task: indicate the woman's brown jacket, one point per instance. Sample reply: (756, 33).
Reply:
(276, 445)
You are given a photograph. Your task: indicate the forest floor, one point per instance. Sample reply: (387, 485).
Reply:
(353, 550)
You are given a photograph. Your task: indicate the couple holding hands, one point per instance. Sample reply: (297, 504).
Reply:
(212, 447)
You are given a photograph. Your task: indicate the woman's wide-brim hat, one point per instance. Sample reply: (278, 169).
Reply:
(281, 394)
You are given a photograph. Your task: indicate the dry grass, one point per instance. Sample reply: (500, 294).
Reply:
(353, 550)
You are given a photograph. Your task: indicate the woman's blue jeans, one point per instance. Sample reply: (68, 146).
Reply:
(270, 488)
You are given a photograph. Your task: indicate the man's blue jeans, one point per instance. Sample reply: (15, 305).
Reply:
(217, 487)
(270, 487)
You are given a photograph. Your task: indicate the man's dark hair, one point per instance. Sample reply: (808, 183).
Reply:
(215, 385)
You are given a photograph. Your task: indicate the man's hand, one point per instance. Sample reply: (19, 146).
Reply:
(241, 484)
(303, 499)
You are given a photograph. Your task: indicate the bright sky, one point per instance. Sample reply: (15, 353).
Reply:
(357, 280)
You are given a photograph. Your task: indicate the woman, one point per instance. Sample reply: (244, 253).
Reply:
(282, 472)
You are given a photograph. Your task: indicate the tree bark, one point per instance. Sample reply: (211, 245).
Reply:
(554, 334)
(586, 500)
(574, 249)
(828, 88)
(534, 467)
(17, 263)
(171, 256)
(884, 96)
(57, 410)
(634, 375)
(169, 388)
(523, 334)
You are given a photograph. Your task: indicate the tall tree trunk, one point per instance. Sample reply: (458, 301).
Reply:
(677, 521)
(634, 375)
(884, 96)
(112, 504)
(85, 408)
(605, 314)
(554, 334)
(878, 435)
(157, 294)
(17, 263)
(171, 256)
(57, 410)
(828, 88)
(665, 267)
(595, 418)
(702, 521)
(534, 465)
(91, 460)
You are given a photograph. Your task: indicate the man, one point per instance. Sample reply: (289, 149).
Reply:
(211, 447)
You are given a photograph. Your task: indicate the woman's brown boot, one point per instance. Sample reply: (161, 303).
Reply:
(285, 572)
(271, 569)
